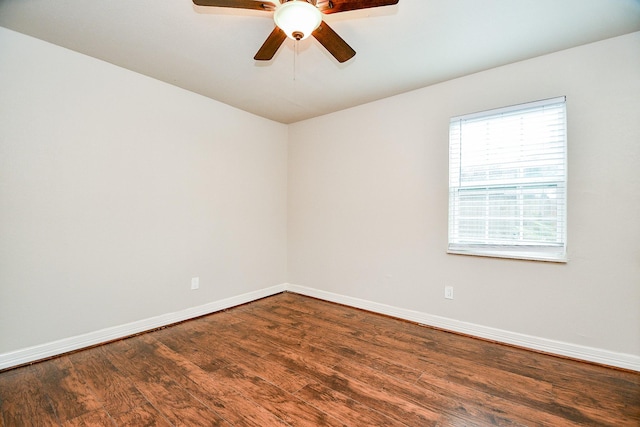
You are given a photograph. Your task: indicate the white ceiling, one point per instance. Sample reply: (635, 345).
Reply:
(399, 48)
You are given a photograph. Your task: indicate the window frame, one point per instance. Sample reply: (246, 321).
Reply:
(510, 247)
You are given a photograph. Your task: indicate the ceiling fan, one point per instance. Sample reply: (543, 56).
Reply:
(299, 19)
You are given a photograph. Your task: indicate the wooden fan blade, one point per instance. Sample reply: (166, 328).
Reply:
(333, 42)
(334, 6)
(271, 45)
(240, 4)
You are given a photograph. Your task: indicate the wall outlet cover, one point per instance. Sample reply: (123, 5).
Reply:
(448, 292)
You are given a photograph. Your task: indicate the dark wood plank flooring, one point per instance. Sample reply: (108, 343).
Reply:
(290, 360)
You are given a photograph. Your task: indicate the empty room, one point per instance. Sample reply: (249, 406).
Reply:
(320, 213)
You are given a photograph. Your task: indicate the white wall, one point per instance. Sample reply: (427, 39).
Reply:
(368, 203)
(116, 189)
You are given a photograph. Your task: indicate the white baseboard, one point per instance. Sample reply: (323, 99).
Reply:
(590, 354)
(43, 351)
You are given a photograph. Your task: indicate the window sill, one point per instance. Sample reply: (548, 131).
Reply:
(519, 255)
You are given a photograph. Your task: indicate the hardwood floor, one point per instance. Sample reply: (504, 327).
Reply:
(290, 360)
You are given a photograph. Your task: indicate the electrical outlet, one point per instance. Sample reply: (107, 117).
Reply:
(448, 292)
(195, 283)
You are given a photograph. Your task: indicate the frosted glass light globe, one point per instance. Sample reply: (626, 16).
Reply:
(297, 18)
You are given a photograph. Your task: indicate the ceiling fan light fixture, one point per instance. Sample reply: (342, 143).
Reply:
(297, 18)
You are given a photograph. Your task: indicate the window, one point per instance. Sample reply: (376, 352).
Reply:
(507, 182)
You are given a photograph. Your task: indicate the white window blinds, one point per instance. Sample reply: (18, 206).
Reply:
(507, 182)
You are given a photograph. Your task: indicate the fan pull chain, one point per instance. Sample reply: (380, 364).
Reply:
(295, 56)
(294, 83)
